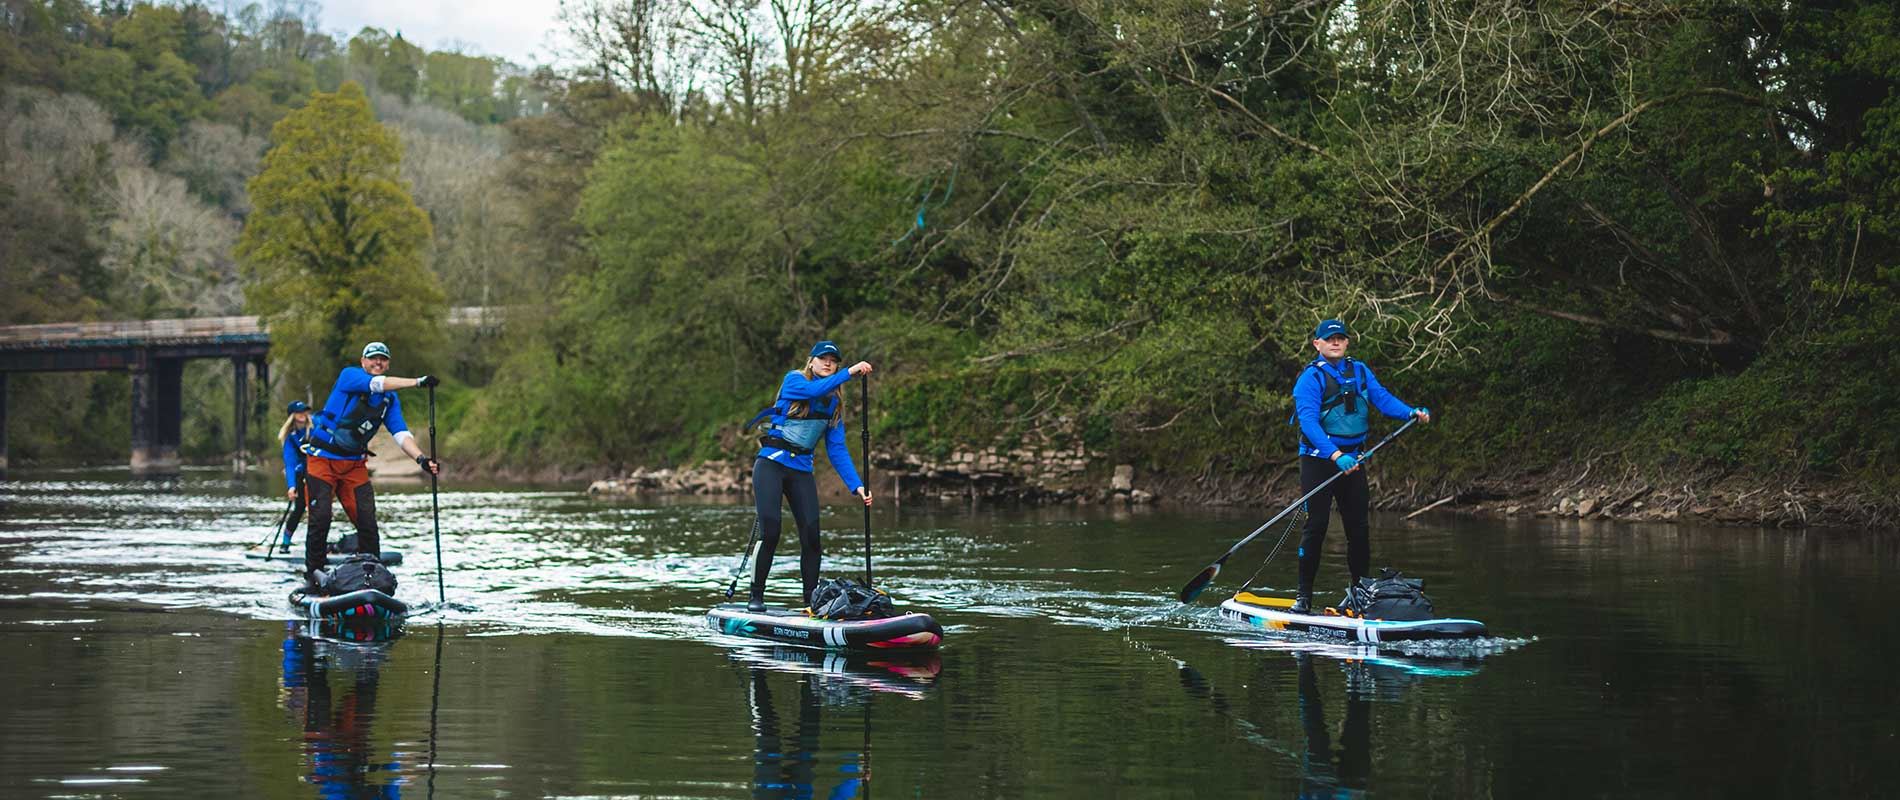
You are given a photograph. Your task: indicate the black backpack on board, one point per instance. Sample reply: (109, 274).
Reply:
(843, 598)
(361, 571)
(1390, 596)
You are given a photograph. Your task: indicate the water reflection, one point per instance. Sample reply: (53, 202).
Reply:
(1335, 757)
(788, 756)
(338, 753)
(1325, 772)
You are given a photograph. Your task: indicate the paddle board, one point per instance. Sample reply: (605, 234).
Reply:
(913, 631)
(363, 605)
(1271, 613)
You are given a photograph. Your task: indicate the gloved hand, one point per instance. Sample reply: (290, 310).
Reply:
(429, 464)
(1422, 413)
(1346, 462)
(428, 381)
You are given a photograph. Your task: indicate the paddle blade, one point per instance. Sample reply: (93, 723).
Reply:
(1194, 587)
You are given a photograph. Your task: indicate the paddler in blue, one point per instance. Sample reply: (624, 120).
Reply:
(809, 410)
(363, 400)
(295, 432)
(1332, 401)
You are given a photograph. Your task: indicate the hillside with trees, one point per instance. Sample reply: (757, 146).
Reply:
(1656, 240)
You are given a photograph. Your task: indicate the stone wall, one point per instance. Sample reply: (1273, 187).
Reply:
(1033, 470)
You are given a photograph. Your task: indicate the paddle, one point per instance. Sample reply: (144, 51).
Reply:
(435, 505)
(744, 556)
(864, 438)
(1194, 587)
(276, 529)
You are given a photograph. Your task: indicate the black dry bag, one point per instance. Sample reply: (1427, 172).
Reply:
(361, 571)
(843, 598)
(1390, 596)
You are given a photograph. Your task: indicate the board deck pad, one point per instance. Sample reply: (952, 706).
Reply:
(910, 631)
(391, 558)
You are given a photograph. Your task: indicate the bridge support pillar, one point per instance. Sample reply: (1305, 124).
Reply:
(240, 414)
(157, 415)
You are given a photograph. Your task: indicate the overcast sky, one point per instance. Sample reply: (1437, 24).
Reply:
(517, 30)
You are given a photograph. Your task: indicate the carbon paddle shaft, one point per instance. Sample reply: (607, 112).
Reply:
(435, 505)
(277, 529)
(744, 557)
(1192, 590)
(864, 437)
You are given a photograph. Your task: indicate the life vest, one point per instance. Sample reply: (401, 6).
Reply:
(1344, 410)
(800, 434)
(350, 434)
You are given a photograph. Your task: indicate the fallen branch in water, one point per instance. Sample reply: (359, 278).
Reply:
(1441, 501)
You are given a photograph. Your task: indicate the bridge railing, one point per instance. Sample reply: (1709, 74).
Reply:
(177, 331)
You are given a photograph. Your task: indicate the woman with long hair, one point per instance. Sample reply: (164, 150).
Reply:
(809, 410)
(295, 430)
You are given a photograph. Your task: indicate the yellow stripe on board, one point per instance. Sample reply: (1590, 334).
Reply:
(1265, 602)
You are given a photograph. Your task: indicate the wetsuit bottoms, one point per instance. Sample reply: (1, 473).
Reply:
(328, 479)
(1354, 500)
(770, 482)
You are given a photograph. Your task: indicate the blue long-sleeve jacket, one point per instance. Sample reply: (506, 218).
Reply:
(293, 457)
(797, 387)
(353, 388)
(1308, 391)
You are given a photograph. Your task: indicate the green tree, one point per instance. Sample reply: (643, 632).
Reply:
(333, 254)
(391, 64)
(463, 84)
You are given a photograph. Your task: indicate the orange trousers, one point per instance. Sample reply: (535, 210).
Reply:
(328, 479)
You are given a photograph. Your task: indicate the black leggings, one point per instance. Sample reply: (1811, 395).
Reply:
(1354, 500)
(771, 481)
(296, 511)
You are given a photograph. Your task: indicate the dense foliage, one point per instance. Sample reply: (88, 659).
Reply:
(1666, 230)
(128, 136)
(1663, 229)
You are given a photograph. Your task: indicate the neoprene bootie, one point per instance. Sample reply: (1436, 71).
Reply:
(1302, 603)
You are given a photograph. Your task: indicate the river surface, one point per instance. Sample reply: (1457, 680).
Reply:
(144, 656)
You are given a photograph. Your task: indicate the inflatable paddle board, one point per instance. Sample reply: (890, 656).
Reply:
(1271, 613)
(913, 631)
(363, 605)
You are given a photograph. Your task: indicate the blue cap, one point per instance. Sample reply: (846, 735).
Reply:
(376, 349)
(298, 405)
(824, 348)
(1331, 327)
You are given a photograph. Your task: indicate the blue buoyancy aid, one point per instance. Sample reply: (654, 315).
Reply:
(798, 434)
(351, 417)
(1345, 412)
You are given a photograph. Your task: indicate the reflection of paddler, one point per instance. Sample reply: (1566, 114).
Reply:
(1324, 773)
(336, 735)
(787, 767)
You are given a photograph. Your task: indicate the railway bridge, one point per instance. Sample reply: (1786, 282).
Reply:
(154, 352)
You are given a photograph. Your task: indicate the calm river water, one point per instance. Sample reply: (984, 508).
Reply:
(142, 656)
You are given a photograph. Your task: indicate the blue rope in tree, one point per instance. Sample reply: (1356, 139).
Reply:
(922, 220)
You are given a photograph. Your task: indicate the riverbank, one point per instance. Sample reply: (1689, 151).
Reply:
(1074, 475)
